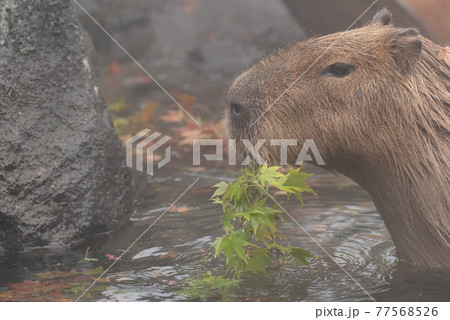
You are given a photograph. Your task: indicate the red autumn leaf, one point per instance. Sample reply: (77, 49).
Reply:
(189, 6)
(173, 116)
(169, 255)
(57, 274)
(28, 286)
(101, 280)
(114, 68)
(190, 132)
(154, 157)
(200, 191)
(181, 209)
(111, 257)
(147, 112)
(185, 99)
(51, 286)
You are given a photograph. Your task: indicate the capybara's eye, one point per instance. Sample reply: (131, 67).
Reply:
(338, 70)
(236, 109)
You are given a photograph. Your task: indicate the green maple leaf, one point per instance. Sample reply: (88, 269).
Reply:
(232, 246)
(258, 219)
(218, 246)
(234, 192)
(259, 260)
(221, 188)
(294, 183)
(300, 255)
(268, 175)
(250, 226)
(237, 244)
(296, 180)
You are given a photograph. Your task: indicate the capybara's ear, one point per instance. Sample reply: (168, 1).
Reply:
(383, 17)
(405, 48)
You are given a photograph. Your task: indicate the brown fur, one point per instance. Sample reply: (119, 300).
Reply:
(386, 125)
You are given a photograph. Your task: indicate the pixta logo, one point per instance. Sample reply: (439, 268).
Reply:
(253, 151)
(143, 145)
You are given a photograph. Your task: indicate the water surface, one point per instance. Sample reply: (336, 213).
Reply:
(341, 218)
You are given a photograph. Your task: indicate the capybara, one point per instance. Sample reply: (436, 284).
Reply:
(376, 102)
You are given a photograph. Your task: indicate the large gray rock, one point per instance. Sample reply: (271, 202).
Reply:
(62, 172)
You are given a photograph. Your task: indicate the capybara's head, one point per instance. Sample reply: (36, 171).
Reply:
(376, 102)
(349, 92)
